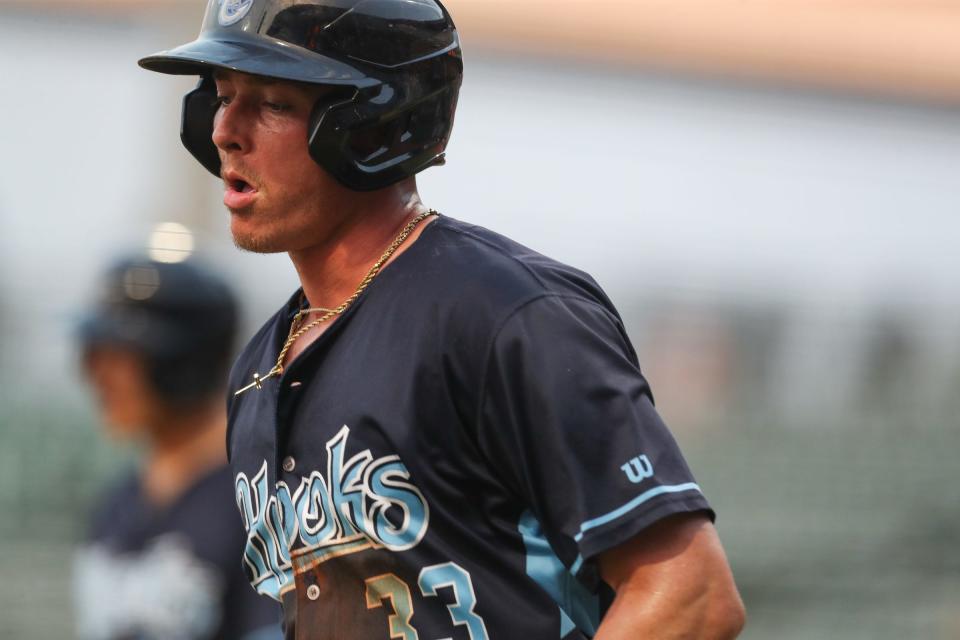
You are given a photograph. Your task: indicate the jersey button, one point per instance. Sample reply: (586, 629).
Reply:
(313, 592)
(289, 464)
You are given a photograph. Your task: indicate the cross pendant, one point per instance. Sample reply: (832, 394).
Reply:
(258, 380)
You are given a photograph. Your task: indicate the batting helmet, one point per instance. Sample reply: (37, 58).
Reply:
(398, 61)
(181, 318)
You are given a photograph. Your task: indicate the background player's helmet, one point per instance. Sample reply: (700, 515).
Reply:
(180, 318)
(398, 62)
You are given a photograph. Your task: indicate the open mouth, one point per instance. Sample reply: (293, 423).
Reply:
(237, 182)
(238, 193)
(241, 186)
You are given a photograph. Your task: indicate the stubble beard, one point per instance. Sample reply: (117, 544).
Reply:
(252, 241)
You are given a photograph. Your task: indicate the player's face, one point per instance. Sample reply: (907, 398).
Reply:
(121, 387)
(279, 198)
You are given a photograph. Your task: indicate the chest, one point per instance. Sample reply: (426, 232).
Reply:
(351, 440)
(367, 391)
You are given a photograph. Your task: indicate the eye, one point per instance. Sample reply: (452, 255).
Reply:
(221, 100)
(276, 107)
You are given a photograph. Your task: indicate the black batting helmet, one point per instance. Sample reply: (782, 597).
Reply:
(398, 61)
(180, 318)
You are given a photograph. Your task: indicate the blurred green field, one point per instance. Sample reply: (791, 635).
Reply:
(839, 531)
(52, 463)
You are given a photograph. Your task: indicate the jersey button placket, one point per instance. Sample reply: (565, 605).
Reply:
(284, 413)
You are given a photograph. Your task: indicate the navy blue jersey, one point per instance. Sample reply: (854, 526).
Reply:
(159, 573)
(448, 459)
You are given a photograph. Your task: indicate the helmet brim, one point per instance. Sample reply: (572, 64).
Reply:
(277, 59)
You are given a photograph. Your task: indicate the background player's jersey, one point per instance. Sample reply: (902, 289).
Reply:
(157, 574)
(448, 459)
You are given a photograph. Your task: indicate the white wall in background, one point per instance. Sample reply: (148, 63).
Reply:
(655, 185)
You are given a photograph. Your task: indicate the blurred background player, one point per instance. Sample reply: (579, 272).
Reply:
(161, 560)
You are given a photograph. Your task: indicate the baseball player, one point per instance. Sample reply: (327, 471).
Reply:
(161, 559)
(442, 434)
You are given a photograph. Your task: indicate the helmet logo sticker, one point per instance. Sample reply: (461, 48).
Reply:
(232, 11)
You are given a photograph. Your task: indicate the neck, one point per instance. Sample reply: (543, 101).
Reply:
(331, 269)
(183, 449)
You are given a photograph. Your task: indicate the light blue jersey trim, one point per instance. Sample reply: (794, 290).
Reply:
(271, 632)
(579, 609)
(633, 504)
(575, 567)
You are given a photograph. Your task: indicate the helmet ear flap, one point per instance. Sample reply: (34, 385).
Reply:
(370, 140)
(331, 122)
(196, 124)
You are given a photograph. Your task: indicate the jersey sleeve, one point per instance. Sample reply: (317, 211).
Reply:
(568, 421)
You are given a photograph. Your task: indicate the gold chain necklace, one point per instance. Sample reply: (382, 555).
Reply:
(296, 330)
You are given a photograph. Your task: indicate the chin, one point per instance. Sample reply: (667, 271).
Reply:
(257, 244)
(249, 238)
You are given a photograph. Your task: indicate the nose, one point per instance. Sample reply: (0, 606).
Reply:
(230, 132)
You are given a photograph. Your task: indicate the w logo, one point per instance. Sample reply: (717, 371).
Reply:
(638, 468)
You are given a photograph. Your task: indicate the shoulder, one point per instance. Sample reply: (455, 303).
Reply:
(471, 294)
(481, 270)
(467, 285)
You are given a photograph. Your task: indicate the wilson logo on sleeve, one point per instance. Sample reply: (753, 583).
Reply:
(638, 469)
